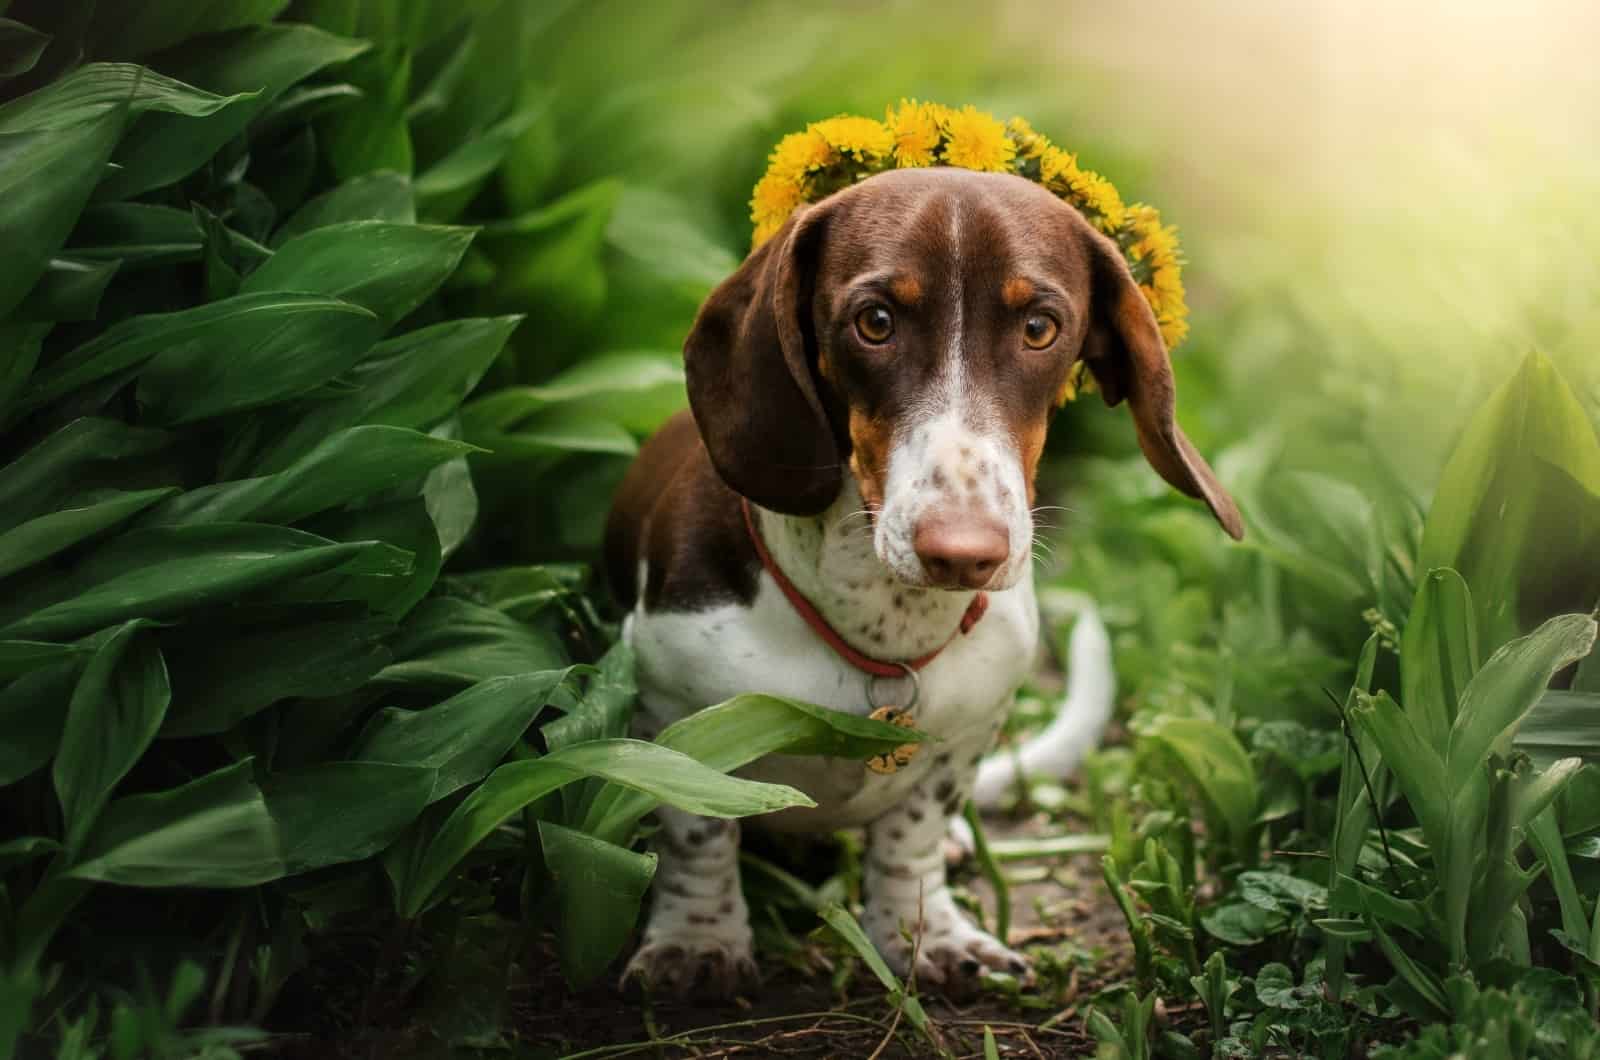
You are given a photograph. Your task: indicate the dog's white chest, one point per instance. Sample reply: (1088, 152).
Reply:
(691, 660)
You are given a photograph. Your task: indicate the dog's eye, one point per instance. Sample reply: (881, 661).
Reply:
(1039, 331)
(875, 324)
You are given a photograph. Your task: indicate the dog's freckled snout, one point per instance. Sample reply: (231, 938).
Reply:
(961, 551)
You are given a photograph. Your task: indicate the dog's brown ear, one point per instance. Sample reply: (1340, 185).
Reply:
(1129, 360)
(752, 380)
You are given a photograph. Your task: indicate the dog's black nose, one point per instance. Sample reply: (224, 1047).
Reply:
(961, 550)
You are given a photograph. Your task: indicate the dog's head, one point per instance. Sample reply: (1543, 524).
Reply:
(916, 329)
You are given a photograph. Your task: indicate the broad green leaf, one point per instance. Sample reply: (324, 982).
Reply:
(405, 531)
(450, 496)
(1438, 653)
(375, 801)
(372, 135)
(382, 196)
(351, 464)
(454, 643)
(598, 890)
(19, 354)
(1532, 795)
(1419, 978)
(221, 677)
(388, 269)
(98, 90)
(164, 571)
(636, 390)
(252, 67)
(33, 708)
(68, 290)
(67, 462)
(464, 737)
(42, 537)
(156, 24)
(739, 731)
(212, 832)
(21, 851)
(114, 715)
(552, 257)
(46, 176)
(1517, 507)
(447, 186)
(662, 774)
(411, 380)
(1508, 686)
(1544, 836)
(136, 234)
(187, 339)
(277, 346)
(18, 657)
(1561, 725)
(1219, 766)
(602, 712)
(1415, 764)
(20, 47)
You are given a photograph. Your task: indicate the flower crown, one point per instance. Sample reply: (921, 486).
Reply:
(835, 153)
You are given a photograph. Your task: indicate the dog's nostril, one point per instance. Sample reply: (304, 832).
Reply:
(961, 550)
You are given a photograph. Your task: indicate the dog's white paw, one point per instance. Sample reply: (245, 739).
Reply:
(952, 953)
(698, 966)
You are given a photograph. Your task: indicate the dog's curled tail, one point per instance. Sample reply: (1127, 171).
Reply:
(1055, 751)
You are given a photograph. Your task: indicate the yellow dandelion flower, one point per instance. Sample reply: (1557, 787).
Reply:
(799, 153)
(1029, 143)
(863, 137)
(977, 141)
(774, 199)
(915, 129)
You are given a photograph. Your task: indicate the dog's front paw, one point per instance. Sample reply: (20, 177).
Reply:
(698, 967)
(952, 953)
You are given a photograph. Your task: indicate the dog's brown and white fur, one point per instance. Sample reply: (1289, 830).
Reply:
(892, 478)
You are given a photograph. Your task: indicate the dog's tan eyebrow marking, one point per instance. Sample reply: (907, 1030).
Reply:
(1016, 292)
(907, 290)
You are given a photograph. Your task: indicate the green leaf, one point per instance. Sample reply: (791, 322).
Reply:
(189, 339)
(20, 47)
(411, 380)
(552, 257)
(136, 234)
(447, 186)
(597, 888)
(453, 643)
(19, 353)
(351, 464)
(66, 463)
(16, 852)
(164, 571)
(157, 24)
(18, 657)
(1531, 795)
(252, 67)
(662, 774)
(220, 678)
(279, 345)
(388, 269)
(464, 737)
(33, 708)
(68, 290)
(1507, 688)
(375, 802)
(40, 538)
(1219, 766)
(46, 176)
(603, 711)
(450, 496)
(1415, 764)
(391, 588)
(1517, 507)
(381, 196)
(372, 135)
(98, 90)
(1438, 653)
(739, 731)
(115, 713)
(1562, 724)
(637, 390)
(845, 925)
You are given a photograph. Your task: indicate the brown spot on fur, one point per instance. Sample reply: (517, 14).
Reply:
(906, 289)
(870, 439)
(1016, 292)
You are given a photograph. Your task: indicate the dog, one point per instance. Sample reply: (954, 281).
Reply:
(852, 488)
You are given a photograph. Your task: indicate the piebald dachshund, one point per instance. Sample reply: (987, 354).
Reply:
(869, 395)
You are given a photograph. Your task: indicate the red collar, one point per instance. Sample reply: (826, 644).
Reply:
(814, 619)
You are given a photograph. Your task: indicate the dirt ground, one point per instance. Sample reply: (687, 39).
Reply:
(1060, 914)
